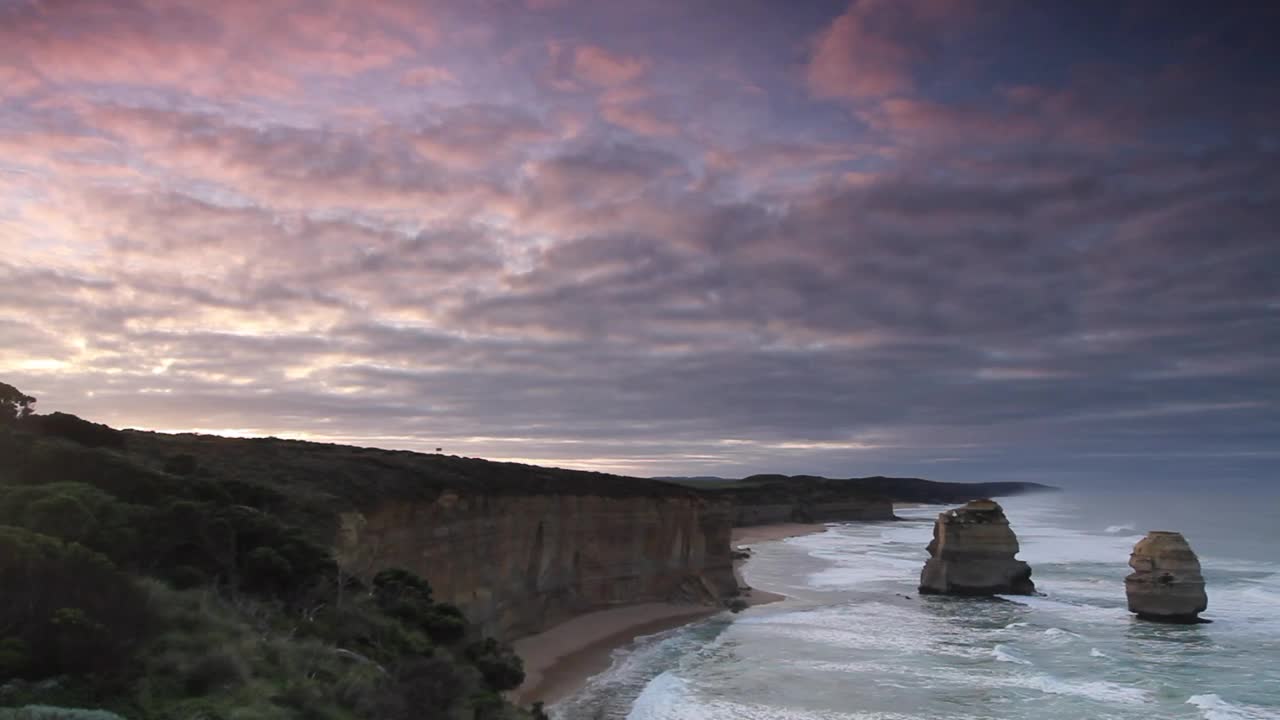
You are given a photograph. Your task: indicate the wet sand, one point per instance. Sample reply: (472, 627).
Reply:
(559, 661)
(766, 533)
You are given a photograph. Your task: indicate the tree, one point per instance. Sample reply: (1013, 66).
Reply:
(14, 404)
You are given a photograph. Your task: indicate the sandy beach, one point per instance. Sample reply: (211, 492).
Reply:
(558, 661)
(766, 533)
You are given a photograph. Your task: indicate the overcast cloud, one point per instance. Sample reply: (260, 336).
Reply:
(964, 240)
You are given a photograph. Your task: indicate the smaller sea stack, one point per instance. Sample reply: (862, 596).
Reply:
(1166, 584)
(972, 553)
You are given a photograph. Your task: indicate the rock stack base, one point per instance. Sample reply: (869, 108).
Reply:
(972, 553)
(1166, 584)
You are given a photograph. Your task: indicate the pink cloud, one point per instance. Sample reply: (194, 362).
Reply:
(868, 52)
(227, 49)
(375, 169)
(599, 67)
(631, 109)
(625, 97)
(16, 81)
(427, 75)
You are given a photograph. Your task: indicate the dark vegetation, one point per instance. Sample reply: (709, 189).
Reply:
(162, 580)
(761, 487)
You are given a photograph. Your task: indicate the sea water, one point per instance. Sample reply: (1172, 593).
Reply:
(856, 641)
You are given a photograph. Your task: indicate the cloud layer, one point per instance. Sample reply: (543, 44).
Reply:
(963, 240)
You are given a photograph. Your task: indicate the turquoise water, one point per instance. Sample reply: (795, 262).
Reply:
(855, 641)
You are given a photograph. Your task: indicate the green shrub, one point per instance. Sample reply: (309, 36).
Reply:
(75, 429)
(266, 570)
(181, 464)
(429, 682)
(61, 516)
(362, 627)
(445, 624)
(214, 669)
(501, 668)
(399, 583)
(185, 577)
(70, 606)
(15, 657)
(75, 512)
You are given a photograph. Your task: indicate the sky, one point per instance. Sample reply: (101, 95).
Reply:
(968, 240)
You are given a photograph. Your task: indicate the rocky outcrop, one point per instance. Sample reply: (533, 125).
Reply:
(1166, 584)
(972, 553)
(517, 564)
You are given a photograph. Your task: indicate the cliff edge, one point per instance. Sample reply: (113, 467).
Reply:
(520, 563)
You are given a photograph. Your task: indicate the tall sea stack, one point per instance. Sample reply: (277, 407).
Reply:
(972, 553)
(1166, 584)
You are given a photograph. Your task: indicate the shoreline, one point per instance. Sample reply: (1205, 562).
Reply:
(745, 537)
(560, 660)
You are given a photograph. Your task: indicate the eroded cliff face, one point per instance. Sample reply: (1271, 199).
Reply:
(518, 564)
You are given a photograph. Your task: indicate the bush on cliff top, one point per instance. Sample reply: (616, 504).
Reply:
(165, 589)
(64, 608)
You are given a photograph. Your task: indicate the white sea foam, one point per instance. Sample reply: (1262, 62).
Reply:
(1060, 634)
(1098, 690)
(1115, 529)
(1213, 707)
(664, 697)
(669, 697)
(1001, 653)
(1101, 691)
(1070, 610)
(1095, 652)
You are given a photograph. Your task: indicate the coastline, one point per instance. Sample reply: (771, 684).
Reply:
(560, 660)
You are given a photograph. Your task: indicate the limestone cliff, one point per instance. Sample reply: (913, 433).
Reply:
(519, 547)
(520, 563)
(972, 553)
(1166, 584)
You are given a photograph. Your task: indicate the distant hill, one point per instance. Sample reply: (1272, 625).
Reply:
(896, 489)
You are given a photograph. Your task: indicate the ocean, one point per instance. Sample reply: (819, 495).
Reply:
(855, 640)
